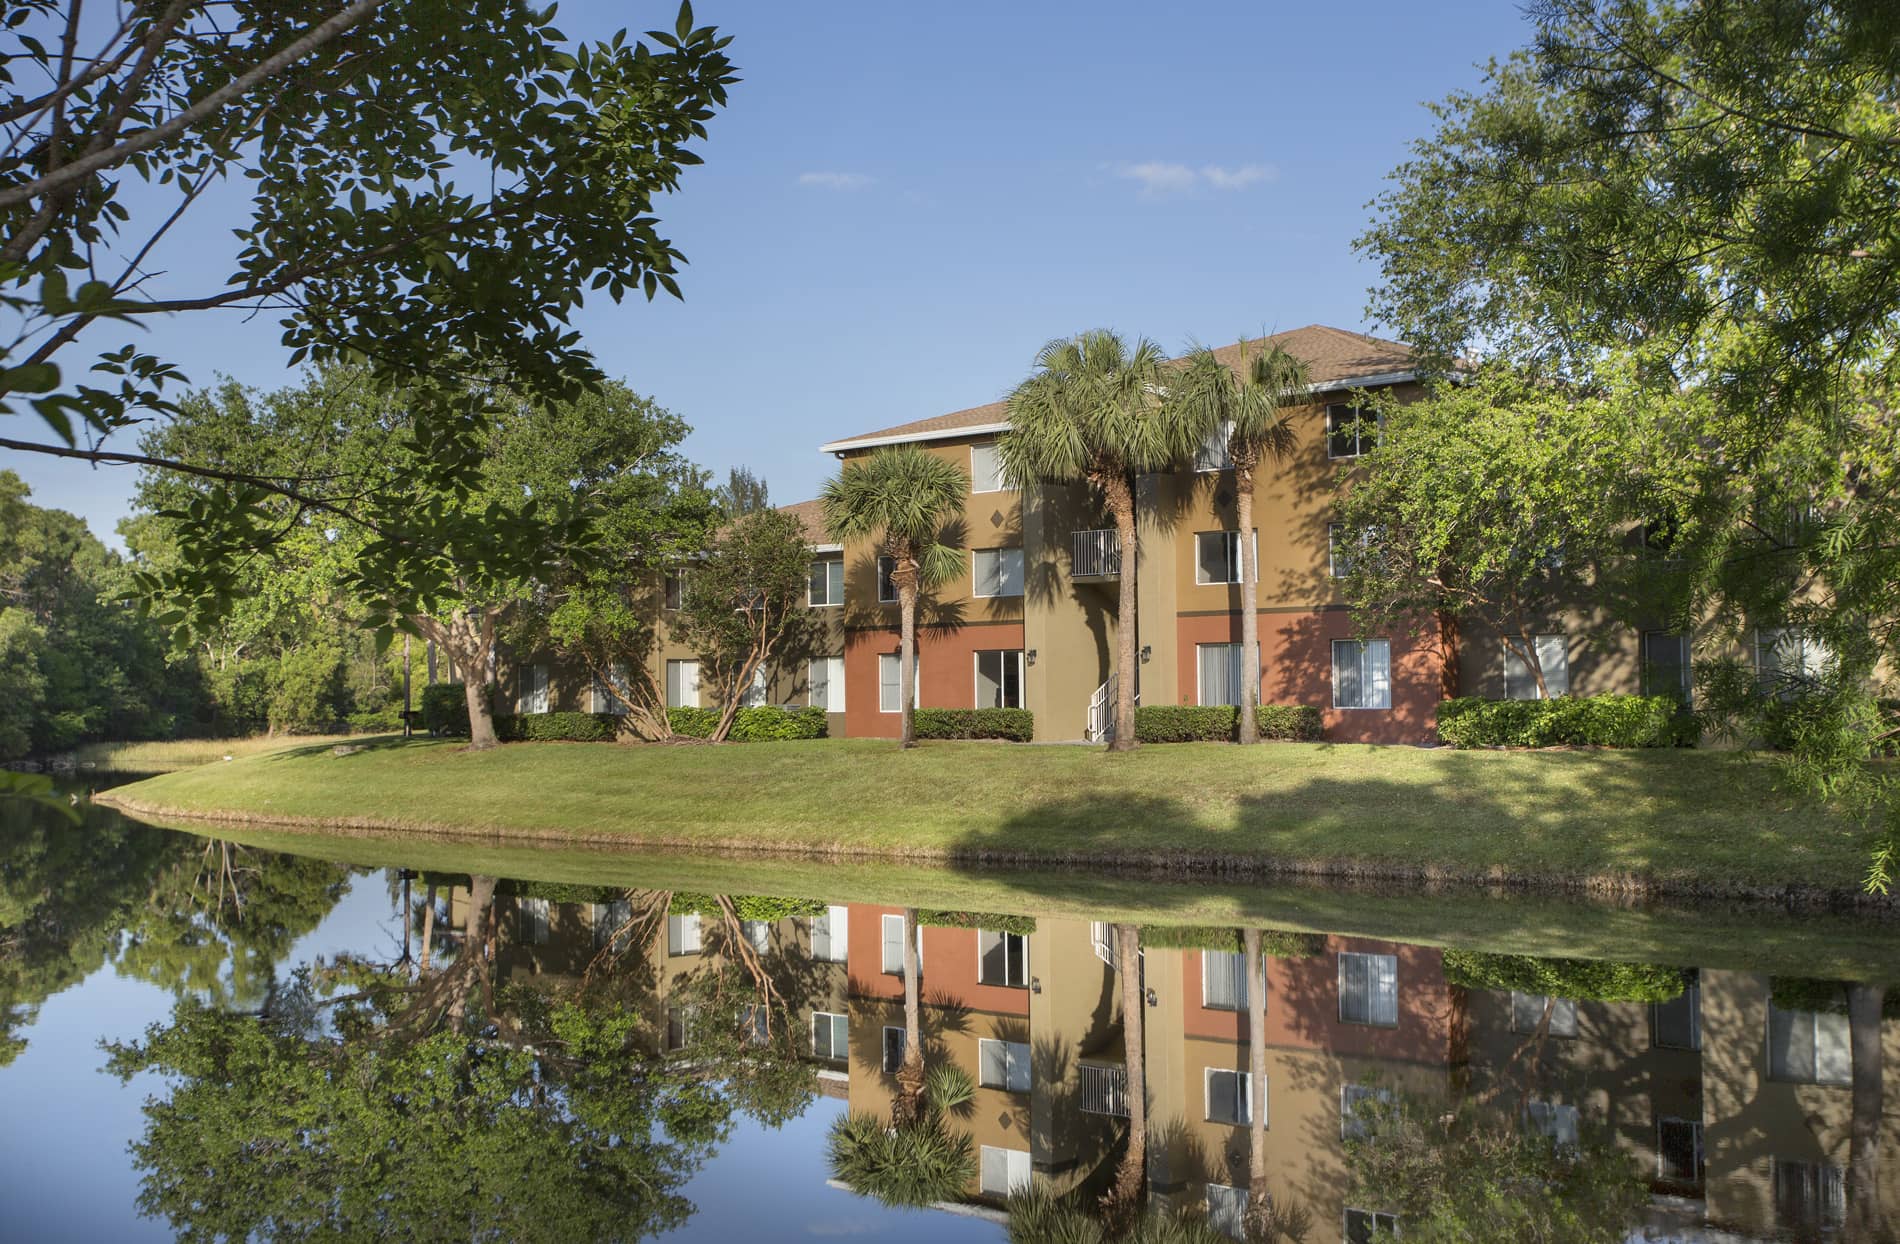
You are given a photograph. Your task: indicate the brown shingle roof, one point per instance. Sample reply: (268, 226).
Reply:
(811, 515)
(1335, 358)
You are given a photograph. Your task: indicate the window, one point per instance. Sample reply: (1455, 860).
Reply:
(1809, 1195)
(1223, 980)
(893, 1050)
(1351, 431)
(890, 676)
(893, 938)
(675, 589)
(1217, 556)
(886, 590)
(1369, 989)
(1004, 1172)
(827, 582)
(682, 934)
(534, 920)
(679, 1027)
(1527, 1014)
(1002, 958)
(986, 468)
(829, 1033)
(1666, 665)
(1787, 661)
(610, 923)
(1362, 673)
(1353, 1122)
(998, 572)
(611, 695)
(755, 1023)
(1003, 1065)
(682, 684)
(1227, 1210)
(1679, 1151)
(1342, 553)
(1363, 1226)
(757, 933)
(758, 691)
(1228, 1097)
(1558, 1122)
(826, 687)
(1552, 656)
(1212, 454)
(999, 678)
(1808, 1047)
(531, 693)
(1677, 1023)
(829, 935)
(1220, 673)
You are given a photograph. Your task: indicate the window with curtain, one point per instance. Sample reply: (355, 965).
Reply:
(830, 1033)
(999, 678)
(1666, 665)
(997, 572)
(1553, 655)
(605, 699)
(1220, 675)
(830, 939)
(675, 590)
(682, 684)
(1217, 556)
(1557, 1121)
(1227, 1210)
(758, 691)
(1789, 662)
(682, 934)
(1003, 1172)
(1228, 1097)
(893, 939)
(1353, 1124)
(986, 468)
(827, 582)
(1003, 1065)
(1362, 673)
(1369, 989)
(1212, 454)
(825, 688)
(890, 677)
(1342, 553)
(1527, 1014)
(534, 920)
(1808, 1047)
(531, 695)
(1809, 1196)
(1223, 980)
(1002, 958)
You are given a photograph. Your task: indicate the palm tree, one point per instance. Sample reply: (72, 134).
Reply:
(910, 1076)
(1250, 403)
(1125, 1196)
(1092, 414)
(914, 1162)
(901, 496)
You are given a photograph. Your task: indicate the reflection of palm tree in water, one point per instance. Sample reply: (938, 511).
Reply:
(1868, 1218)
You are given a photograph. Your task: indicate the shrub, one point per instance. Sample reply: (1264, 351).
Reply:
(309, 696)
(1589, 979)
(1274, 943)
(556, 727)
(763, 724)
(1585, 721)
(445, 708)
(1220, 723)
(1018, 725)
(376, 721)
(1024, 925)
(747, 906)
(1801, 993)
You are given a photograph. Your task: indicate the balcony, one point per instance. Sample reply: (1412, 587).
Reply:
(1098, 555)
(1104, 1090)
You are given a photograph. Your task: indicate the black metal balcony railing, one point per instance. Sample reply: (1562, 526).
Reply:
(1098, 555)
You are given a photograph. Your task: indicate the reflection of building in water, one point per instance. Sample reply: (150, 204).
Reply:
(1742, 1113)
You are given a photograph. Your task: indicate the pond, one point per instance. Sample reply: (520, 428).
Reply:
(231, 1035)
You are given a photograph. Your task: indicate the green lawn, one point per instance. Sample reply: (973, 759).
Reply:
(169, 755)
(1679, 822)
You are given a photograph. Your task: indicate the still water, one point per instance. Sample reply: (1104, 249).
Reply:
(205, 1039)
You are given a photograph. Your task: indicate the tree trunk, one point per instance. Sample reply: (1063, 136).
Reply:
(1866, 1216)
(481, 720)
(466, 638)
(1125, 1196)
(1249, 606)
(428, 928)
(1121, 503)
(481, 901)
(910, 1076)
(1259, 1199)
(907, 656)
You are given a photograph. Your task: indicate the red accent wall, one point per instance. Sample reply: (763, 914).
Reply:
(1303, 1005)
(1296, 667)
(950, 966)
(947, 670)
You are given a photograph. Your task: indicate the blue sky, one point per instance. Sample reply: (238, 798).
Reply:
(903, 201)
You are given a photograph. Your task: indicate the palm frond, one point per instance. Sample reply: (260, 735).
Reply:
(1093, 405)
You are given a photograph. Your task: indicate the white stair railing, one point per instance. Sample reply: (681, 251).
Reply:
(1101, 727)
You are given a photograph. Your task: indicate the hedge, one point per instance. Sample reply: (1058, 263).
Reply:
(1220, 723)
(763, 724)
(1588, 979)
(1586, 721)
(1802, 993)
(1025, 925)
(1274, 943)
(556, 727)
(1018, 725)
(747, 906)
(445, 708)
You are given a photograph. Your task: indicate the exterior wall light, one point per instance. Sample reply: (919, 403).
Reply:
(1152, 1000)
(1147, 653)
(1030, 657)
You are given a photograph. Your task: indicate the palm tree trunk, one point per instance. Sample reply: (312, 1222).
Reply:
(1259, 1200)
(428, 928)
(1249, 607)
(1865, 1214)
(1121, 503)
(1125, 1196)
(907, 660)
(910, 1077)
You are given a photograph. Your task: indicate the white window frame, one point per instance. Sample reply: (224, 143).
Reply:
(883, 941)
(884, 1048)
(1374, 1217)
(1243, 1096)
(684, 664)
(837, 926)
(1016, 1056)
(1232, 1215)
(1365, 649)
(1232, 551)
(1692, 992)
(1346, 955)
(1811, 656)
(1685, 679)
(831, 1031)
(1556, 644)
(1240, 992)
(916, 680)
(976, 574)
(976, 676)
(1561, 1121)
(603, 701)
(690, 931)
(1359, 436)
(1351, 1094)
(673, 590)
(833, 683)
(1005, 935)
(1697, 1138)
(1200, 670)
(758, 692)
(1563, 1013)
(1215, 454)
(532, 694)
(827, 561)
(533, 914)
(1336, 566)
(1016, 1174)
(996, 479)
(1814, 1046)
(884, 577)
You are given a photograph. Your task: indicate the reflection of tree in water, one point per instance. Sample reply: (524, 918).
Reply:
(369, 1100)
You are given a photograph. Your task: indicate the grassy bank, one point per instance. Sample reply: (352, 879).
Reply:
(1660, 822)
(170, 755)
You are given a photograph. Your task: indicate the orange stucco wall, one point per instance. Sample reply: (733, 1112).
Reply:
(947, 670)
(949, 966)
